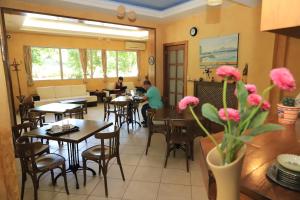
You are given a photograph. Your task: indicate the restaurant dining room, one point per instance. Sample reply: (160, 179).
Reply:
(149, 100)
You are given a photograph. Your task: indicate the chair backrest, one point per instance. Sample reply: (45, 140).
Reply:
(155, 126)
(18, 129)
(106, 103)
(121, 106)
(178, 131)
(76, 113)
(26, 153)
(35, 118)
(109, 142)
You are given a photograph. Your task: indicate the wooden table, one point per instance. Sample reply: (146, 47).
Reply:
(77, 101)
(167, 113)
(87, 128)
(57, 108)
(254, 182)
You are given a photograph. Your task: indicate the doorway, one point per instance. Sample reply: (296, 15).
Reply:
(175, 65)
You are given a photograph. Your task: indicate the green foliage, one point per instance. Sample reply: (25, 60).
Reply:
(287, 101)
(210, 112)
(242, 95)
(265, 128)
(258, 119)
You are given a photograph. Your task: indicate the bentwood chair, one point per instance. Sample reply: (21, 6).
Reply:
(77, 113)
(24, 109)
(108, 108)
(103, 153)
(154, 127)
(123, 113)
(135, 110)
(37, 166)
(19, 129)
(178, 138)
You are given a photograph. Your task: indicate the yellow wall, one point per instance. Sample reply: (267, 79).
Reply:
(18, 40)
(255, 47)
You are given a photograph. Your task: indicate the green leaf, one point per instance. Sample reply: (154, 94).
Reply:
(211, 113)
(245, 138)
(242, 94)
(265, 128)
(258, 119)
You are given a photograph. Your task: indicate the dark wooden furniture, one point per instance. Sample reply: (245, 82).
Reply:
(35, 167)
(113, 91)
(211, 92)
(259, 157)
(123, 113)
(154, 127)
(24, 109)
(108, 108)
(83, 102)
(103, 153)
(58, 109)
(87, 128)
(99, 94)
(77, 113)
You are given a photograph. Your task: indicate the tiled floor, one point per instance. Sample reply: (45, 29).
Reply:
(146, 179)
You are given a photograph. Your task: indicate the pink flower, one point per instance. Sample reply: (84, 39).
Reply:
(266, 105)
(254, 99)
(283, 78)
(186, 101)
(233, 114)
(229, 71)
(251, 88)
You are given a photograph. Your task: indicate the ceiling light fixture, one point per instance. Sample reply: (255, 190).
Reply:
(118, 26)
(214, 2)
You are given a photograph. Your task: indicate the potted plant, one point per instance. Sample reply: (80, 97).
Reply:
(240, 125)
(287, 111)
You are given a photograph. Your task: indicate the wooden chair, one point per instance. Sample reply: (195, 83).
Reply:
(17, 132)
(103, 153)
(108, 108)
(35, 167)
(36, 118)
(76, 113)
(135, 110)
(178, 138)
(24, 109)
(123, 114)
(154, 127)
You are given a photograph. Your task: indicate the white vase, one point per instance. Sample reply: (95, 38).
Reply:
(227, 176)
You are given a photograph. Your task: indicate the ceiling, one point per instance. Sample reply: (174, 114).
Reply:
(46, 24)
(153, 4)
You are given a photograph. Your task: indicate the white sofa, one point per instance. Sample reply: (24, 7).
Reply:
(52, 94)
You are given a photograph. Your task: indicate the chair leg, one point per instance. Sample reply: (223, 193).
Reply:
(167, 154)
(104, 170)
(52, 177)
(121, 168)
(99, 172)
(23, 183)
(192, 150)
(35, 186)
(65, 178)
(84, 171)
(187, 151)
(148, 142)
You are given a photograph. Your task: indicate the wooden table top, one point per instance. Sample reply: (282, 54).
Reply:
(167, 113)
(87, 128)
(259, 157)
(126, 99)
(55, 107)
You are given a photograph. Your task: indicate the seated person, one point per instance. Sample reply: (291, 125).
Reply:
(154, 100)
(119, 85)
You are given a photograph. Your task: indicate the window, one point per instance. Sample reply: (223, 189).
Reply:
(45, 63)
(121, 63)
(94, 67)
(71, 65)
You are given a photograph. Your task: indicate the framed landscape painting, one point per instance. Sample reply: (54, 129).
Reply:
(218, 51)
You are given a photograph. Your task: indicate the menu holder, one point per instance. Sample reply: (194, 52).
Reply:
(62, 131)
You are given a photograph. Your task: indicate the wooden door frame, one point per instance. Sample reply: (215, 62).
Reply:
(165, 68)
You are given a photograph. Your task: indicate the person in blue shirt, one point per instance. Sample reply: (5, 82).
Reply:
(154, 100)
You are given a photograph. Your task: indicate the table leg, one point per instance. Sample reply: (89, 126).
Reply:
(74, 165)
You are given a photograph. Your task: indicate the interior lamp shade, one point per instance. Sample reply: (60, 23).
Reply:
(214, 2)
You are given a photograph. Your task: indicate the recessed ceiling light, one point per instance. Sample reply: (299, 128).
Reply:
(214, 2)
(110, 25)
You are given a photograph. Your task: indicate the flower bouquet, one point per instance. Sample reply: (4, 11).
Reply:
(240, 125)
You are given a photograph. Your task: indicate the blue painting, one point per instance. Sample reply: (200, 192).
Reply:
(219, 51)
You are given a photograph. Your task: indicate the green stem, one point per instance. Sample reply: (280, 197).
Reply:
(225, 103)
(207, 133)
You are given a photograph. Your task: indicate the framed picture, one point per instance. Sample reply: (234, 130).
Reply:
(218, 51)
(151, 60)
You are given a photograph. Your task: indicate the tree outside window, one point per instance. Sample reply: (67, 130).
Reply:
(94, 67)
(71, 64)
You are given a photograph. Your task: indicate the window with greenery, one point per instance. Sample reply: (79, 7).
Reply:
(94, 67)
(45, 63)
(71, 65)
(121, 63)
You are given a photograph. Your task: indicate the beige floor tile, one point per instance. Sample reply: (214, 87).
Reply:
(179, 162)
(101, 198)
(64, 196)
(152, 161)
(151, 174)
(44, 195)
(129, 159)
(174, 192)
(141, 190)
(196, 178)
(176, 176)
(199, 193)
(115, 172)
(130, 149)
(116, 188)
(91, 182)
